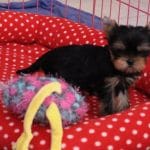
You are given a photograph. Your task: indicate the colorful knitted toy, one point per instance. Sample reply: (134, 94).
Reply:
(52, 113)
(19, 92)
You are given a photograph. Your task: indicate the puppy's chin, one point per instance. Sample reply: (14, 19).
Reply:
(130, 70)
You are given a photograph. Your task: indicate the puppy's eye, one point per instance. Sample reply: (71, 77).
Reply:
(118, 46)
(145, 47)
(118, 50)
(118, 53)
(144, 53)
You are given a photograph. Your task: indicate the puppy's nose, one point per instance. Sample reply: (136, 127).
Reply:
(130, 62)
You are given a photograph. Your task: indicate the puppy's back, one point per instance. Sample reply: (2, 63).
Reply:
(78, 59)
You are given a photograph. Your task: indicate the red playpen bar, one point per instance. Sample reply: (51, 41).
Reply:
(115, 9)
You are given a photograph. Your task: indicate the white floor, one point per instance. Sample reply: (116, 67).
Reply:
(143, 18)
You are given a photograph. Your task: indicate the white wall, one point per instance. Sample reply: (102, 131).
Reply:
(87, 5)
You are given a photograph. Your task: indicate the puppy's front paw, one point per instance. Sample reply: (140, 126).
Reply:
(116, 104)
(120, 102)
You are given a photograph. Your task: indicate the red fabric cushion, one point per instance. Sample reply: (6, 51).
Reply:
(20, 47)
(143, 83)
(47, 31)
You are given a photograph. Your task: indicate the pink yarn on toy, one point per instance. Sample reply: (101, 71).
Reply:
(21, 90)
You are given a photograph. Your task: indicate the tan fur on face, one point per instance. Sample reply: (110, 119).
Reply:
(139, 63)
(121, 64)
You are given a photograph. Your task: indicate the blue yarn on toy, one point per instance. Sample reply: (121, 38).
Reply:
(19, 92)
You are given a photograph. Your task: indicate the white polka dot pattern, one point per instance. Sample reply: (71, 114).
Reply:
(48, 31)
(129, 129)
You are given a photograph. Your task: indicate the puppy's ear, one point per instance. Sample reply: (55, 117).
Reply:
(148, 27)
(108, 25)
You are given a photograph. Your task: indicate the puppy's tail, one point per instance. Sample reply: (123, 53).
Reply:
(31, 69)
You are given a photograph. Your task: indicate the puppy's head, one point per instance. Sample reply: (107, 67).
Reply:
(129, 46)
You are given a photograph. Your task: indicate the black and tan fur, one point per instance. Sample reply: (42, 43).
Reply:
(105, 71)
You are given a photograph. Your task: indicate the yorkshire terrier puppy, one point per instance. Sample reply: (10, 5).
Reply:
(105, 71)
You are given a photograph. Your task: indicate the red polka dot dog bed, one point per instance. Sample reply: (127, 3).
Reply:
(24, 38)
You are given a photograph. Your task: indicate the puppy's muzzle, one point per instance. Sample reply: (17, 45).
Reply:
(130, 62)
